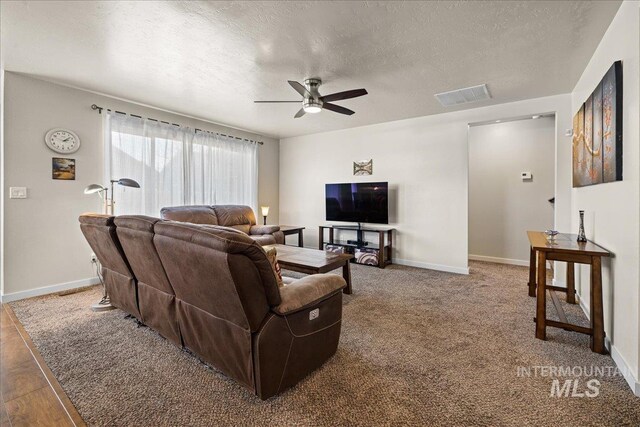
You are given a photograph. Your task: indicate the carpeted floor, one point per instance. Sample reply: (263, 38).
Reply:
(418, 347)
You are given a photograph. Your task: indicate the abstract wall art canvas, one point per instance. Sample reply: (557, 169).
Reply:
(64, 169)
(364, 167)
(597, 133)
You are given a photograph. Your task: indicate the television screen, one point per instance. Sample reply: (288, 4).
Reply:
(357, 202)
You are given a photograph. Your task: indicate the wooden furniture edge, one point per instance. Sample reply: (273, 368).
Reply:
(62, 397)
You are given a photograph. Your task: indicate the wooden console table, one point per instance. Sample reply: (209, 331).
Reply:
(566, 248)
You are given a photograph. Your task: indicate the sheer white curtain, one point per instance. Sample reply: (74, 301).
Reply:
(176, 166)
(221, 170)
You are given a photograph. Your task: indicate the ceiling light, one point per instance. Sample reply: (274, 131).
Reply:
(537, 116)
(312, 105)
(498, 121)
(463, 96)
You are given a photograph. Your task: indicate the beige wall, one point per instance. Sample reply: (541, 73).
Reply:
(612, 210)
(425, 160)
(43, 243)
(502, 207)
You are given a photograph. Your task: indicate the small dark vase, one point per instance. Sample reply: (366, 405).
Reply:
(581, 235)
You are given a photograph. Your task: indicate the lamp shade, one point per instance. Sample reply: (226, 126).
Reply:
(265, 210)
(127, 182)
(94, 188)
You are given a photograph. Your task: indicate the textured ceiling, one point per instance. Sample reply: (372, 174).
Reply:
(212, 59)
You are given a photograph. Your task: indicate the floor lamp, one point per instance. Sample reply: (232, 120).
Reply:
(108, 207)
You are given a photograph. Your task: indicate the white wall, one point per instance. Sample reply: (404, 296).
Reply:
(612, 210)
(502, 207)
(425, 161)
(43, 243)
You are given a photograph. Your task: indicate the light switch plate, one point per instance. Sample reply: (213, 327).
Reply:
(17, 192)
(526, 176)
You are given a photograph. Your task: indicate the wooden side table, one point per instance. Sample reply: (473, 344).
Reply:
(566, 248)
(292, 229)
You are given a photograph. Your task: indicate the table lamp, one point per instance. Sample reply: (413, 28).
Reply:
(265, 212)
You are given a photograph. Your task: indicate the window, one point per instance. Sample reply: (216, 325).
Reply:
(176, 166)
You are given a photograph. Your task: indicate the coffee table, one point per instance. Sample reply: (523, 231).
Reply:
(313, 261)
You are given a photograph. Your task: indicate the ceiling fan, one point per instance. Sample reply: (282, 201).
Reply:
(313, 102)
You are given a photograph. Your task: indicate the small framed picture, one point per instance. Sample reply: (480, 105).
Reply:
(363, 167)
(64, 169)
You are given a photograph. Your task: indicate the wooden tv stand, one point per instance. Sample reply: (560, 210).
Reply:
(381, 245)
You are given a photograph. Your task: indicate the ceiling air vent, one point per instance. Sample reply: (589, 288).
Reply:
(463, 96)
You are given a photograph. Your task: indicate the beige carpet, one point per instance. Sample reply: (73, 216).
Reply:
(418, 347)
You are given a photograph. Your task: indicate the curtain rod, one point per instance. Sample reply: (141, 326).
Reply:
(95, 107)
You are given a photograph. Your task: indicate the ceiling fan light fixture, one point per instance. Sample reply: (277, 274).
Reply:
(312, 106)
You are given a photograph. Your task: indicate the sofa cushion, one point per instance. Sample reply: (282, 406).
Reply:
(245, 228)
(192, 214)
(264, 239)
(225, 240)
(230, 215)
(264, 229)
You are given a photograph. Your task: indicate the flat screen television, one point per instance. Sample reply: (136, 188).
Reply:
(358, 202)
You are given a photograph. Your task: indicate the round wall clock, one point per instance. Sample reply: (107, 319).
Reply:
(62, 141)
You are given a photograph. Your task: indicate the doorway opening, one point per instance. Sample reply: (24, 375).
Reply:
(511, 186)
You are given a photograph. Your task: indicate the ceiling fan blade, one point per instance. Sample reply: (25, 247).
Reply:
(347, 94)
(272, 102)
(299, 113)
(299, 88)
(337, 109)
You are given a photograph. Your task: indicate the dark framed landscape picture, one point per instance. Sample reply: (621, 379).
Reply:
(597, 133)
(64, 169)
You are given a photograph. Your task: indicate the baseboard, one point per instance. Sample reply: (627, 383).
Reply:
(418, 264)
(618, 359)
(583, 306)
(15, 296)
(429, 266)
(623, 367)
(497, 260)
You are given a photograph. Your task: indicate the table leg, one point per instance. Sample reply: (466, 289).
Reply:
(571, 283)
(532, 273)
(346, 274)
(321, 239)
(300, 239)
(541, 301)
(381, 257)
(597, 322)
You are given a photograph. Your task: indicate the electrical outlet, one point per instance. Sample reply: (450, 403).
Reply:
(17, 192)
(94, 258)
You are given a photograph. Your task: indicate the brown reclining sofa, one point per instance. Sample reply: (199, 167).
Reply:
(235, 216)
(212, 290)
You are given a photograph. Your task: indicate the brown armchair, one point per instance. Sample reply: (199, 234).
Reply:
(238, 217)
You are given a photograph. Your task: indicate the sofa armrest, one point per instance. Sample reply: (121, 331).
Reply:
(263, 229)
(308, 291)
